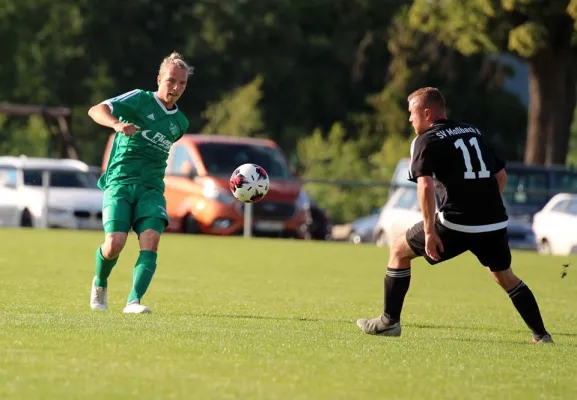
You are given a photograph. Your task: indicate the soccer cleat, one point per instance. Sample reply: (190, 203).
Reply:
(542, 340)
(379, 326)
(135, 307)
(98, 297)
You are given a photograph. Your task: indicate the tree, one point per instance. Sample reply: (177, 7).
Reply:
(29, 136)
(543, 33)
(335, 158)
(473, 86)
(319, 59)
(237, 113)
(572, 156)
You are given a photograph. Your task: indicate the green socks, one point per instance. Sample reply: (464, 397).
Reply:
(142, 274)
(141, 277)
(103, 269)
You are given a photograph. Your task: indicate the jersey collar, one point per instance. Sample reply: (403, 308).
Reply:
(163, 107)
(439, 121)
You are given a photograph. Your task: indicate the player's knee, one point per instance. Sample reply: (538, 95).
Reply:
(113, 244)
(400, 250)
(149, 240)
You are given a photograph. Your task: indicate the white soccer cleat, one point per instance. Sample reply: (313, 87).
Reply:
(136, 308)
(98, 297)
(379, 326)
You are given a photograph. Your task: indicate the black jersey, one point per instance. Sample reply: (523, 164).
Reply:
(463, 166)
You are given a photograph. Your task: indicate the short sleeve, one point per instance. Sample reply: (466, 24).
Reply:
(183, 124)
(421, 159)
(124, 105)
(494, 162)
(499, 164)
(186, 125)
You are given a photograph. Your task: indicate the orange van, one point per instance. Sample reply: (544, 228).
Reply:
(198, 194)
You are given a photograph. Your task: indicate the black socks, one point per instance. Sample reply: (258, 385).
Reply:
(527, 306)
(396, 284)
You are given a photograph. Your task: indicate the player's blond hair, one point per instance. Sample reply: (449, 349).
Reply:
(430, 95)
(177, 60)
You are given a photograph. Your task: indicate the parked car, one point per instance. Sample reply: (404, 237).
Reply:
(198, 193)
(556, 225)
(318, 224)
(362, 229)
(73, 201)
(400, 176)
(529, 187)
(402, 211)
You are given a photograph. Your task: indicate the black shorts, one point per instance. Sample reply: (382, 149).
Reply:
(491, 248)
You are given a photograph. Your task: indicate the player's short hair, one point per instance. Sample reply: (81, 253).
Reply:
(177, 60)
(430, 95)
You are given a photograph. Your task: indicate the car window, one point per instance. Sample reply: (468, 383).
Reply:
(181, 162)
(62, 179)
(567, 181)
(560, 206)
(572, 209)
(8, 177)
(401, 174)
(526, 186)
(223, 158)
(407, 200)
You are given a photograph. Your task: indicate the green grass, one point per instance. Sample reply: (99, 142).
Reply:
(272, 319)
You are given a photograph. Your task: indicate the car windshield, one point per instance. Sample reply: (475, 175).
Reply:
(62, 179)
(567, 181)
(527, 187)
(401, 174)
(224, 158)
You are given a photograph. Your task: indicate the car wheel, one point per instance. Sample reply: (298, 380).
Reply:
(355, 238)
(190, 225)
(544, 247)
(381, 239)
(26, 220)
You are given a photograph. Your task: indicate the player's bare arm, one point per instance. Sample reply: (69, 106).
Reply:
(426, 195)
(102, 115)
(501, 177)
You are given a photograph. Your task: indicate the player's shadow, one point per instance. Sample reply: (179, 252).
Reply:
(463, 328)
(266, 317)
(409, 325)
(349, 322)
(478, 328)
(498, 340)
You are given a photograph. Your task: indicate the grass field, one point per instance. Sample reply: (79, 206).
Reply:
(273, 319)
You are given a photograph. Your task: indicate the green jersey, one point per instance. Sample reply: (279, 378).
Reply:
(141, 158)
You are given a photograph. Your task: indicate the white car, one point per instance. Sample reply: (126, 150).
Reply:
(402, 210)
(71, 201)
(556, 225)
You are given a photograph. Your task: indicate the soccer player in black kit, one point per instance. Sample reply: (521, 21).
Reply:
(452, 158)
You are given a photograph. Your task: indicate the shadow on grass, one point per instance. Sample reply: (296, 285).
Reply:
(353, 322)
(508, 341)
(267, 317)
(465, 328)
(478, 328)
(409, 325)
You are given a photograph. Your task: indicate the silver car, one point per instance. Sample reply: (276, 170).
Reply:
(402, 210)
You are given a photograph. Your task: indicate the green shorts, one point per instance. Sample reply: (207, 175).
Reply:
(133, 206)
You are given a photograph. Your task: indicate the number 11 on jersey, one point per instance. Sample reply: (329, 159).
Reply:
(469, 173)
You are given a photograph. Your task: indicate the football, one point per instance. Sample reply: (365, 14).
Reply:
(249, 183)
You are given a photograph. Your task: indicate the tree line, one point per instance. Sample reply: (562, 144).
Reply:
(326, 79)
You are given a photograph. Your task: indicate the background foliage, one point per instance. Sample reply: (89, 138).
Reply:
(326, 79)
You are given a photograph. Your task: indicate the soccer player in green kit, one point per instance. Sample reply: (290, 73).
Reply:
(146, 125)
